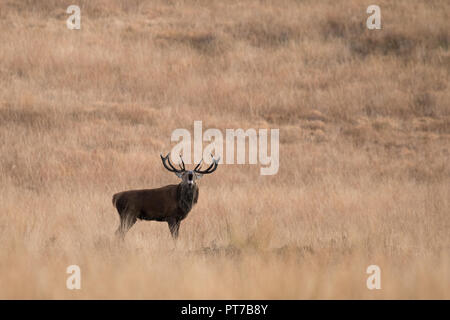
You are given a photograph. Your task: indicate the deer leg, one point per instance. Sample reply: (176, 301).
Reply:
(174, 226)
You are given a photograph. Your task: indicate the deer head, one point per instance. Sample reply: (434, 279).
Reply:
(188, 177)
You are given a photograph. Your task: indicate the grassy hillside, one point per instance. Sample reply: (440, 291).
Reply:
(364, 119)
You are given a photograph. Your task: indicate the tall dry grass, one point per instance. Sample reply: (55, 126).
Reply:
(364, 123)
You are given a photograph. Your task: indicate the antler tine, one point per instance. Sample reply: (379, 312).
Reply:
(182, 167)
(199, 165)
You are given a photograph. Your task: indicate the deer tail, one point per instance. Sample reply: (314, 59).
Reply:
(114, 199)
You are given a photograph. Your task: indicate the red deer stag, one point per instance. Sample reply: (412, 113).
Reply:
(171, 203)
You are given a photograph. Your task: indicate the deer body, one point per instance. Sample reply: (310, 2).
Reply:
(171, 203)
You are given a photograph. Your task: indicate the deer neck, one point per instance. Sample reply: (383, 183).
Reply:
(186, 195)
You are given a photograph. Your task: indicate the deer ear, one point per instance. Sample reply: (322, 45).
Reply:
(198, 176)
(179, 174)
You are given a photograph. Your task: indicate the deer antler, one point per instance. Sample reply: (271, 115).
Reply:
(210, 169)
(171, 168)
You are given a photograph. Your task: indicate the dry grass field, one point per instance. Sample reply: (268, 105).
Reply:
(364, 119)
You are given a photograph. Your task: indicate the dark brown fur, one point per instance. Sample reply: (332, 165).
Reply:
(171, 203)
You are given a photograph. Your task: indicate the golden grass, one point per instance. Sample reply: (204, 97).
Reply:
(364, 123)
